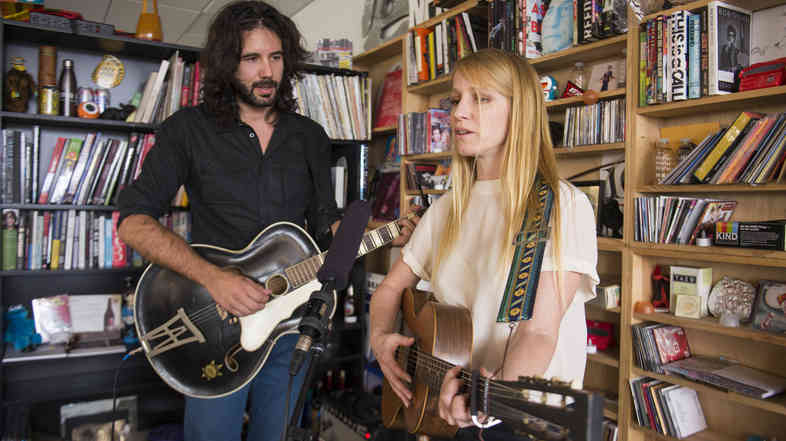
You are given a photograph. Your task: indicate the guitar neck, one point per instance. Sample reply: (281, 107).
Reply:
(306, 271)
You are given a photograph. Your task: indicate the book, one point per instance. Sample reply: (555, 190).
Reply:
(54, 162)
(67, 166)
(685, 410)
(672, 343)
(768, 35)
(389, 101)
(734, 377)
(769, 309)
(724, 146)
(10, 235)
(714, 211)
(767, 235)
(729, 45)
(692, 281)
(88, 147)
(678, 68)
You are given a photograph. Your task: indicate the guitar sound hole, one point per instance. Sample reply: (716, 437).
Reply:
(278, 284)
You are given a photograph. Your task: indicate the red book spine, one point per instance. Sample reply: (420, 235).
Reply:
(50, 174)
(196, 88)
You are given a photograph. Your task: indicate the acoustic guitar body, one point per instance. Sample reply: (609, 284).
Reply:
(444, 332)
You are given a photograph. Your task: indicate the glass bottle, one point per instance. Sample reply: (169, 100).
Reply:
(67, 88)
(349, 306)
(577, 75)
(665, 159)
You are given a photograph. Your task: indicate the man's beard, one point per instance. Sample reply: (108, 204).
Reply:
(246, 94)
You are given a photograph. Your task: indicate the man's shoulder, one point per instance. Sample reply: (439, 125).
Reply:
(300, 122)
(188, 115)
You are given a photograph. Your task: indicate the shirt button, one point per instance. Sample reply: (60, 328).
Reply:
(250, 135)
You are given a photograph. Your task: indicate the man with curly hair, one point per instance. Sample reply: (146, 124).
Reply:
(246, 161)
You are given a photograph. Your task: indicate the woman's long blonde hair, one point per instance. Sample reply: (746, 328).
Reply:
(528, 150)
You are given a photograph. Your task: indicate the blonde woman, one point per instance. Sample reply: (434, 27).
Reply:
(463, 244)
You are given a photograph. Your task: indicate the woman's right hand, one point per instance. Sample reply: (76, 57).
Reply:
(384, 346)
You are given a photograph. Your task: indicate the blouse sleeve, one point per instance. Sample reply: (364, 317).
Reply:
(418, 253)
(579, 242)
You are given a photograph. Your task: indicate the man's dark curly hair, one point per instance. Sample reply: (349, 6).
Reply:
(221, 55)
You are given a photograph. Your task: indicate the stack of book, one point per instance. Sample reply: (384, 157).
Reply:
(656, 344)
(667, 408)
(599, 123)
(730, 376)
(339, 103)
(174, 85)
(751, 151)
(680, 220)
(423, 132)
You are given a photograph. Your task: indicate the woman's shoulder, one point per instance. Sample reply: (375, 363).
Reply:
(571, 195)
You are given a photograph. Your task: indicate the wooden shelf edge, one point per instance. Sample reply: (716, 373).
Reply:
(441, 84)
(609, 358)
(711, 188)
(384, 130)
(744, 256)
(576, 100)
(776, 404)
(705, 435)
(584, 52)
(733, 100)
(427, 156)
(388, 49)
(610, 244)
(610, 413)
(456, 10)
(582, 150)
(713, 325)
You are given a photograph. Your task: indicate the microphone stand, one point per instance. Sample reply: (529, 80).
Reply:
(322, 326)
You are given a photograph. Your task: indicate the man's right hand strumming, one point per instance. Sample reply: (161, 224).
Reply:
(236, 293)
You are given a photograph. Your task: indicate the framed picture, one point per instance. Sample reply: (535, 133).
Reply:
(595, 192)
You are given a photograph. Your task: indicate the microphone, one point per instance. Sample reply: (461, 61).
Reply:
(334, 275)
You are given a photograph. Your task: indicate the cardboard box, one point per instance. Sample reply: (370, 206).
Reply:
(686, 280)
(608, 296)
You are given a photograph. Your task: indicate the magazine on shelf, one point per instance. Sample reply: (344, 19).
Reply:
(725, 374)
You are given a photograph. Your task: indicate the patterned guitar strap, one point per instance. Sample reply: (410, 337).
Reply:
(519, 298)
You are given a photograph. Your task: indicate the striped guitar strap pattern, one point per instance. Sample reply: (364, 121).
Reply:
(519, 298)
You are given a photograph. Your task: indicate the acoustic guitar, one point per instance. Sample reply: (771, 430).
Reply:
(443, 339)
(201, 350)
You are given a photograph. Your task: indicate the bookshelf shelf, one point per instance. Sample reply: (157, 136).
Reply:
(733, 101)
(562, 103)
(34, 34)
(50, 207)
(610, 413)
(776, 404)
(587, 150)
(705, 435)
(428, 156)
(74, 122)
(439, 85)
(598, 50)
(753, 5)
(610, 244)
(710, 188)
(386, 50)
(609, 358)
(49, 352)
(72, 273)
(743, 256)
(710, 324)
(417, 192)
(593, 307)
(387, 130)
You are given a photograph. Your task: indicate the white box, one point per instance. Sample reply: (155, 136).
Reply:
(686, 280)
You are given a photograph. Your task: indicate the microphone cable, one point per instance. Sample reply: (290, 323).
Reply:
(285, 432)
(114, 390)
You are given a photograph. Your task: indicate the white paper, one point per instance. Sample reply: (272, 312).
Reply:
(89, 312)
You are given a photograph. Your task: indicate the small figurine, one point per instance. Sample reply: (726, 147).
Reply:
(550, 89)
(119, 114)
(20, 330)
(19, 86)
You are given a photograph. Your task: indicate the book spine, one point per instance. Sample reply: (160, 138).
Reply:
(694, 56)
(643, 79)
(712, 49)
(715, 155)
(679, 48)
(119, 256)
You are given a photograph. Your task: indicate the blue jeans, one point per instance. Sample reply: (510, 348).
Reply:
(221, 419)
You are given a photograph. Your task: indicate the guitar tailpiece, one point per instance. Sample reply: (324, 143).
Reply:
(490, 422)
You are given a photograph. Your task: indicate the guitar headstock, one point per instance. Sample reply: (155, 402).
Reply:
(543, 409)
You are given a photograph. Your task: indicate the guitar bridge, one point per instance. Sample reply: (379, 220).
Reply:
(170, 335)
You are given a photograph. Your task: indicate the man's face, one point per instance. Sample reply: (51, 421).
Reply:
(260, 69)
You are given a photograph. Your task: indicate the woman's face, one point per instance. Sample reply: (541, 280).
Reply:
(480, 119)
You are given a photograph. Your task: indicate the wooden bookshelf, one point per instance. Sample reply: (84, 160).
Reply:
(610, 244)
(586, 53)
(776, 404)
(609, 358)
(390, 48)
(706, 435)
(439, 85)
(743, 256)
(734, 101)
(710, 324)
(588, 150)
(387, 130)
(562, 103)
(711, 188)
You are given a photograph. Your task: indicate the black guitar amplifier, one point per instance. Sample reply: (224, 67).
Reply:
(350, 415)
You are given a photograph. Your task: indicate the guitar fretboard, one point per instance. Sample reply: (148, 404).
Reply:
(305, 271)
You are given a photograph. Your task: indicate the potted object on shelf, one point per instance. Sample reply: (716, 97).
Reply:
(149, 25)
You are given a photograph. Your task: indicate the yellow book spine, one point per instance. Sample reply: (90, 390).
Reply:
(725, 142)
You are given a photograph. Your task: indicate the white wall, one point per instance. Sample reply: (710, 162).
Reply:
(332, 19)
